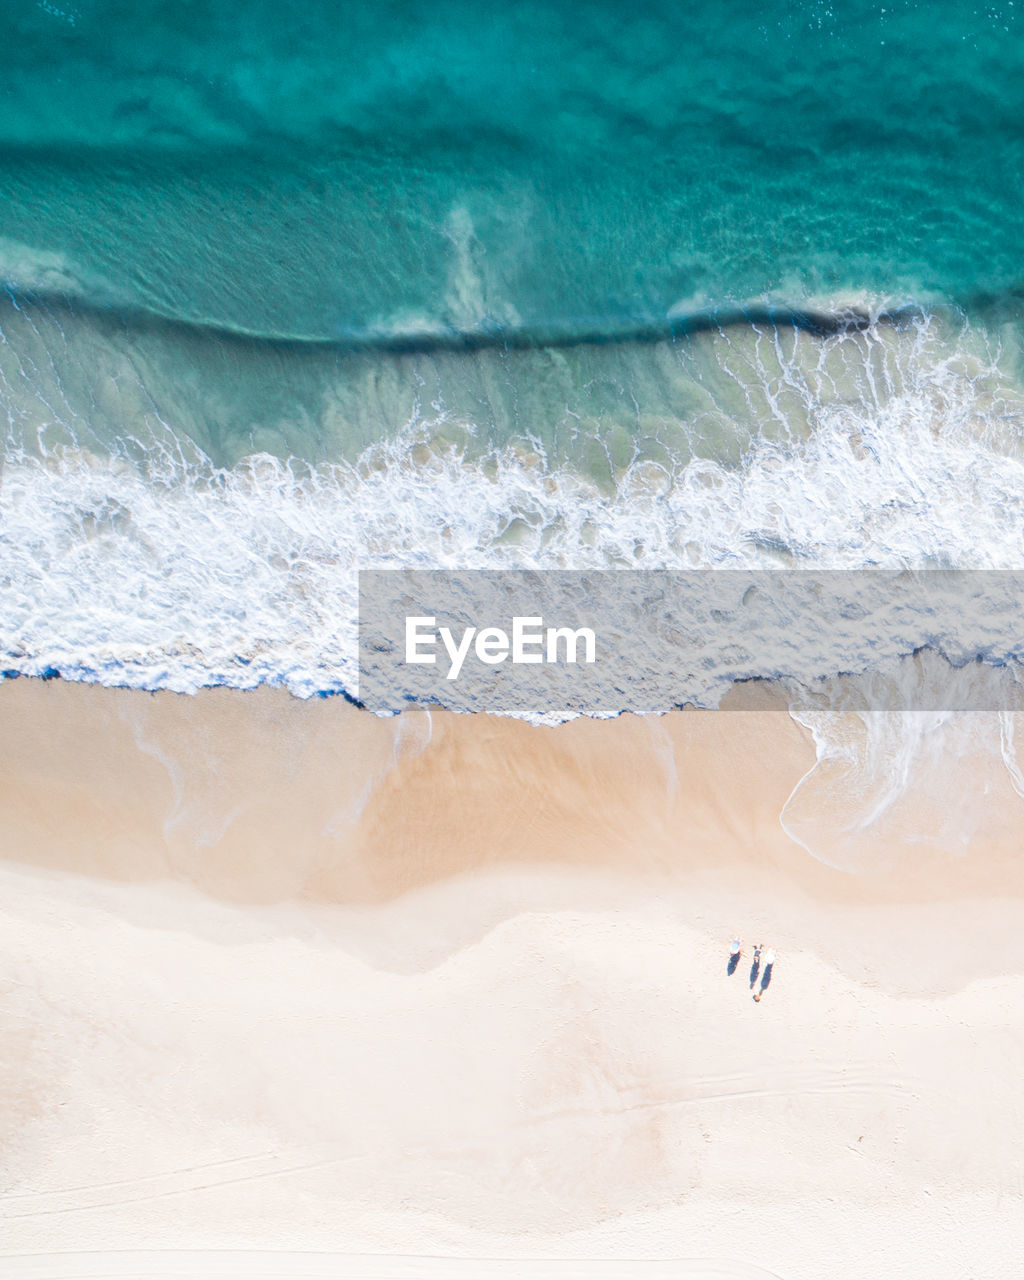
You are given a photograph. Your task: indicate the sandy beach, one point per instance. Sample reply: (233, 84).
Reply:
(414, 997)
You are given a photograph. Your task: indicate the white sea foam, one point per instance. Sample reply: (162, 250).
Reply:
(178, 575)
(26, 269)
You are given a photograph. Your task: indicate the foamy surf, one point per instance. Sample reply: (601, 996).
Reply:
(164, 571)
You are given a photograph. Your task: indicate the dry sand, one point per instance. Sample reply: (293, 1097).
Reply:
(376, 997)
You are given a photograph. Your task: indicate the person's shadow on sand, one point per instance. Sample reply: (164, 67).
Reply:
(766, 977)
(755, 969)
(733, 962)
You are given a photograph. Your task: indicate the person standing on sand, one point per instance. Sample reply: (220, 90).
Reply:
(766, 977)
(756, 966)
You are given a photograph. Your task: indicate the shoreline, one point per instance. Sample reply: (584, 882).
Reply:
(681, 791)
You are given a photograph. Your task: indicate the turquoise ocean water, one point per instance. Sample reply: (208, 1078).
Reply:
(333, 170)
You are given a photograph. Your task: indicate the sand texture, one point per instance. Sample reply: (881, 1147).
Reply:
(449, 996)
